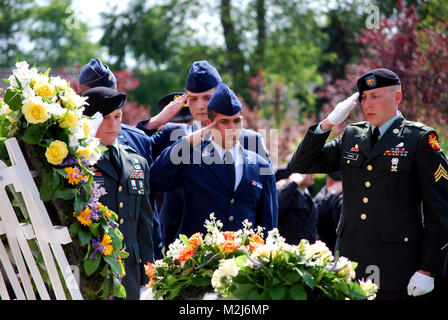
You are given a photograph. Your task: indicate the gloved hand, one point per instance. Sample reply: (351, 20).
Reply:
(420, 284)
(342, 109)
(142, 291)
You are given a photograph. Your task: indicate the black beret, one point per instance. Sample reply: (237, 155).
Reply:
(183, 115)
(96, 74)
(202, 77)
(104, 100)
(224, 101)
(377, 78)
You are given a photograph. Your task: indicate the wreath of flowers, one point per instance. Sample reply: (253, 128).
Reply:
(46, 116)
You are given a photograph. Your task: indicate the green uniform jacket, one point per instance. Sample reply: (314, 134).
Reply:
(385, 191)
(128, 196)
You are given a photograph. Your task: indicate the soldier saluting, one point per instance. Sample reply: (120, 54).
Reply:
(395, 187)
(124, 174)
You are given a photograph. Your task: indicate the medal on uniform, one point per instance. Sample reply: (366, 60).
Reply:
(394, 166)
(355, 148)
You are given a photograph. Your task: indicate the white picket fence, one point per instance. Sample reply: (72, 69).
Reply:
(17, 259)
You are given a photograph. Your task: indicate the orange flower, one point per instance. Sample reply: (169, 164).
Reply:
(255, 238)
(196, 239)
(229, 235)
(229, 246)
(106, 244)
(150, 270)
(186, 253)
(84, 217)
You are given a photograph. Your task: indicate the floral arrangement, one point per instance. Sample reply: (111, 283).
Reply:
(241, 265)
(277, 270)
(187, 268)
(46, 117)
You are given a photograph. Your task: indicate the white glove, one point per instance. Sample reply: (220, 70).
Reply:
(342, 109)
(142, 292)
(420, 284)
(95, 123)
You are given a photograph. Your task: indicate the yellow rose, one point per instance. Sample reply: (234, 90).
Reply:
(34, 111)
(71, 120)
(45, 89)
(83, 153)
(56, 152)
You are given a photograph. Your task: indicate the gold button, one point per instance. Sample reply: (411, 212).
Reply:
(367, 184)
(363, 216)
(369, 168)
(121, 221)
(348, 161)
(232, 200)
(121, 205)
(365, 199)
(120, 188)
(231, 218)
(406, 239)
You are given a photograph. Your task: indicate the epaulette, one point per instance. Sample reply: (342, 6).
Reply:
(360, 124)
(128, 148)
(418, 125)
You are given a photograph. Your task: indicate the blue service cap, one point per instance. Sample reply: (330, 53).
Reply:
(376, 78)
(224, 101)
(96, 74)
(202, 77)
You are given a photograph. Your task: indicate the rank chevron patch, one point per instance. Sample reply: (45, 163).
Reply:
(440, 173)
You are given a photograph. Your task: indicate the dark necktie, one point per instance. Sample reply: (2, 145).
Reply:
(114, 160)
(375, 135)
(230, 168)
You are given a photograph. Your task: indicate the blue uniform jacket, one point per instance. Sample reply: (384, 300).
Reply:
(206, 189)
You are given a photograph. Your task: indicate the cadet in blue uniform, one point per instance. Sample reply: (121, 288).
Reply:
(234, 191)
(124, 174)
(96, 74)
(395, 187)
(201, 82)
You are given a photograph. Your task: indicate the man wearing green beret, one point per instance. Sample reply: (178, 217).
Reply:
(395, 188)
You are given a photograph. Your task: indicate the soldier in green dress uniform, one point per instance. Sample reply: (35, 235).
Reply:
(124, 174)
(395, 188)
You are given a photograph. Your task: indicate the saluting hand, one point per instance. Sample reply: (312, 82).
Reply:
(167, 113)
(342, 109)
(196, 137)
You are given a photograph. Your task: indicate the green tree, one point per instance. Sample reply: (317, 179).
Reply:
(58, 37)
(14, 14)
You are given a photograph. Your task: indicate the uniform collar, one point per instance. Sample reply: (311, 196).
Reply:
(383, 128)
(236, 150)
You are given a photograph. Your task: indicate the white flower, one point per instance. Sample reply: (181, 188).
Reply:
(222, 276)
(369, 288)
(213, 225)
(274, 237)
(320, 251)
(345, 269)
(174, 249)
(3, 107)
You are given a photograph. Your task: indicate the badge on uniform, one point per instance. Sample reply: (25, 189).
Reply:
(350, 156)
(440, 173)
(394, 167)
(257, 184)
(355, 148)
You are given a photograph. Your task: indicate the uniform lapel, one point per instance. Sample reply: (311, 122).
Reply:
(363, 141)
(391, 138)
(105, 166)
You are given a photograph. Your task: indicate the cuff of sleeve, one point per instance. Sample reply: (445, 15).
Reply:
(141, 126)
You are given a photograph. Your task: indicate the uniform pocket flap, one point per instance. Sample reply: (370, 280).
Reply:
(402, 232)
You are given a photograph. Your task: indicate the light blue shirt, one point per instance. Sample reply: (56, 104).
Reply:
(386, 125)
